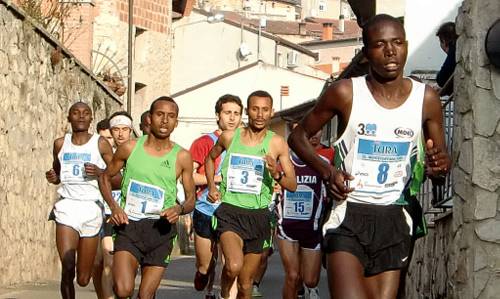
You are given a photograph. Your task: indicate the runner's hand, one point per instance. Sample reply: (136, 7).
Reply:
(437, 162)
(52, 177)
(91, 170)
(337, 184)
(172, 214)
(213, 195)
(271, 165)
(118, 216)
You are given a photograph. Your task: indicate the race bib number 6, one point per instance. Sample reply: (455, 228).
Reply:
(245, 174)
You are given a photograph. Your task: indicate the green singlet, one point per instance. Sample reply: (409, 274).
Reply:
(149, 183)
(246, 182)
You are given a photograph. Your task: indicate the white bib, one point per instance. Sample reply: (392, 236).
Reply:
(377, 165)
(116, 194)
(299, 205)
(72, 167)
(144, 200)
(245, 173)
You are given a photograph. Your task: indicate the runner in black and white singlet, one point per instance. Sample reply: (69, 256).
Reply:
(299, 233)
(79, 158)
(382, 120)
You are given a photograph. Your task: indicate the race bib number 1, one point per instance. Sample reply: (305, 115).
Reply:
(245, 174)
(144, 200)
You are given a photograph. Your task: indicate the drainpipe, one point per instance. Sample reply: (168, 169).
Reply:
(130, 54)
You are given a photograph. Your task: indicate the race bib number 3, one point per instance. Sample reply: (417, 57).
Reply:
(245, 174)
(299, 204)
(143, 200)
(379, 166)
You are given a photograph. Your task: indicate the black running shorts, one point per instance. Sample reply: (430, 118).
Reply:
(379, 236)
(252, 226)
(150, 240)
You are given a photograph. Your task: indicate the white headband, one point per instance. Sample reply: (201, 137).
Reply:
(120, 120)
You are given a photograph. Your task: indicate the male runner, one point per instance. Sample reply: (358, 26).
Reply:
(367, 234)
(144, 125)
(299, 234)
(102, 129)
(249, 170)
(79, 158)
(147, 213)
(228, 110)
(121, 129)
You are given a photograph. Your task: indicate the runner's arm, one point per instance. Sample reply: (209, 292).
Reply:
(53, 175)
(107, 155)
(187, 183)
(221, 145)
(285, 178)
(121, 155)
(437, 158)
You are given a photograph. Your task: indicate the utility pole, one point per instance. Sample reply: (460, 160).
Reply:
(130, 54)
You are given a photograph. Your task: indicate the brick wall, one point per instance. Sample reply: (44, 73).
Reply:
(149, 14)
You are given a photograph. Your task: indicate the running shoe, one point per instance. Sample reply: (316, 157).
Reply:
(312, 293)
(200, 281)
(256, 292)
(301, 293)
(210, 296)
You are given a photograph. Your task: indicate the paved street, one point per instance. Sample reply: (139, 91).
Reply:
(178, 285)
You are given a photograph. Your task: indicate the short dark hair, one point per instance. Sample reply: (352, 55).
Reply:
(144, 115)
(446, 32)
(102, 125)
(77, 104)
(260, 94)
(124, 113)
(166, 99)
(228, 98)
(374, 21)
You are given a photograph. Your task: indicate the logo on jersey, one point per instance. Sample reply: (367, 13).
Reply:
(367, 129)
(404, 132)
(165, 163)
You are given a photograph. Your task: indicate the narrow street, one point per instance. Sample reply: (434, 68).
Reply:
(178, 284)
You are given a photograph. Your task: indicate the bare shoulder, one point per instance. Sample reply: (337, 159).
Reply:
(123, 151)
(184, 156)
(432, 102)
(58, 143)
(278, 144)
(226, 137)
(337, 95)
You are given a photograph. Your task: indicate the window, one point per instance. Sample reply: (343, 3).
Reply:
(322, 5)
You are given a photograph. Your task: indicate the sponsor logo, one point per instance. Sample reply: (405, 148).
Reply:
(361, 174)
(306, 179)
(367, 129)
(404, 132)
(165, 163)
(398, 174)
(392, 184)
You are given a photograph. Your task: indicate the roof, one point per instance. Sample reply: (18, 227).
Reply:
(351, 28)
(233, 72)
(235, 19)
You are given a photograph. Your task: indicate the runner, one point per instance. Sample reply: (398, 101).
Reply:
(103, 130)
(299, 234)
(147, 212)
(249, 170)
(367, 235)
(121, 129)
(144, 125)
(79, 158)
(228, 110)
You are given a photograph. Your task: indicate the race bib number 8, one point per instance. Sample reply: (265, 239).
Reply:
(245, 174)
(298, 205)
(144, 200)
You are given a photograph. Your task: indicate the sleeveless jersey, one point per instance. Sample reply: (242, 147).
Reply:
(149, 183)
(74, 182)
(379, 146)
(202, 203)
(246, 182)
(302, 209)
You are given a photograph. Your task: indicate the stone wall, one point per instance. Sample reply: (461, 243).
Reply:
(35, 97)
(465, 252)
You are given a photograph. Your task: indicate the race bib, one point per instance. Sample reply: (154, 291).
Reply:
(298, 205)
(378, 166)
(245, 174)
(116, 194)
(72, 167)
(143, 200)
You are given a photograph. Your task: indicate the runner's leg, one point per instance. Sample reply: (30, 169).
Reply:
(345, 276)
(87, 250)
(150, 281)
(67, 244)
(232, 249)
(107, 277)
(310, 265)
(251, 262)
(124, 270)
(289, 252)
(383, 285)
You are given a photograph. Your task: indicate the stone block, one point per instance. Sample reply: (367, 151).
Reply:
(483, 75)
(465, 159)
(487, 230)
(486, 204)
(480, 281)
(486, 172)
(495, 82)
(486, 111)
(462, 184)
(481, 258)
(467, 124)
